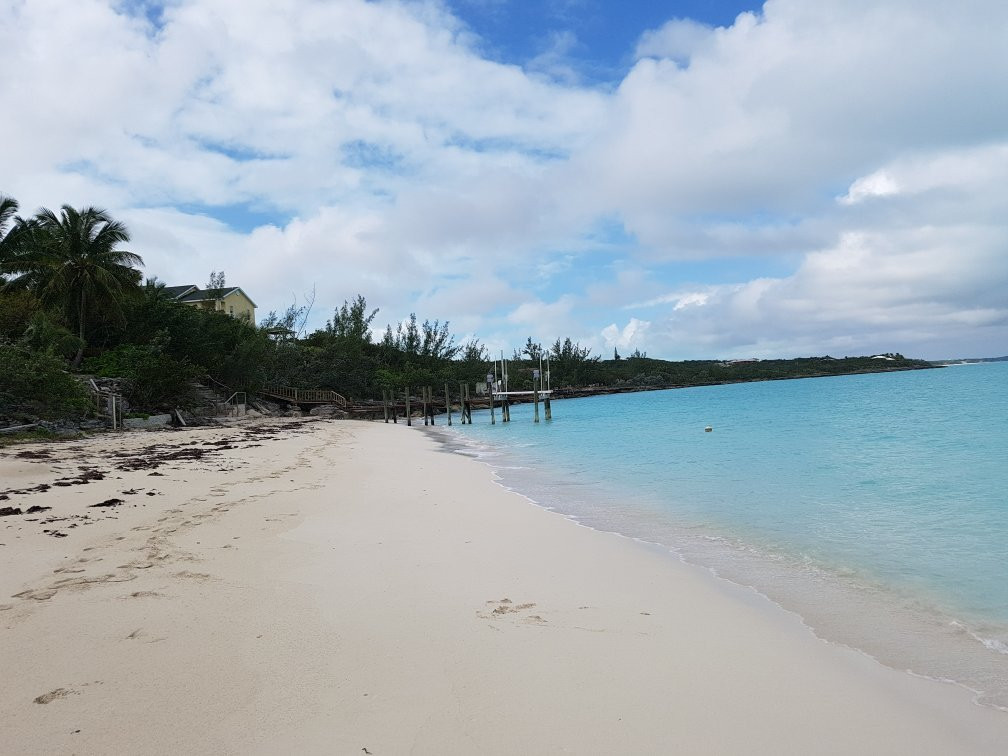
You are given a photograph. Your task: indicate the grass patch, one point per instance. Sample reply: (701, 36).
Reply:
(35, 435)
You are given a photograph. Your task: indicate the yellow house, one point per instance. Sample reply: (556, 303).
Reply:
(230, 300)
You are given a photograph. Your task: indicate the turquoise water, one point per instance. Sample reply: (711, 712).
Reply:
(875, 506)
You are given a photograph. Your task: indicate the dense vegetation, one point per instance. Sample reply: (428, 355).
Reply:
(72, 302)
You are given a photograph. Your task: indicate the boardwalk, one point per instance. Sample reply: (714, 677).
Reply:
(305, 396)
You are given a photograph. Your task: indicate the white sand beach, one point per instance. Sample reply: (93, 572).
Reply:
(344, 587)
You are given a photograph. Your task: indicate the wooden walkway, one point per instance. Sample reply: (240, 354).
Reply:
(304, 396)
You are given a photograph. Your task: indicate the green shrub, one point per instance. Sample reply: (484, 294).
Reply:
(150, 378)
(16, 311)
(34, 385)
(44, 334)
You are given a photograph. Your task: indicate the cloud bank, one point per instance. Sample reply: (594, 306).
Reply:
(815, 178)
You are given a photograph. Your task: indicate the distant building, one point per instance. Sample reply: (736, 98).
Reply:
(230, 300)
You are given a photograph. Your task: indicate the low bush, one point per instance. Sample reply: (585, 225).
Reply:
(37, 386)
(150, 378)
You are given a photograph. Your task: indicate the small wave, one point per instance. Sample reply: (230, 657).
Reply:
(991, 644)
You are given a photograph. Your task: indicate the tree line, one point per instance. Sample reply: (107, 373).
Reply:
(73, 302)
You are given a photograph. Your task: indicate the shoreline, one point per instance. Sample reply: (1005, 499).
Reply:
(877, 606)
(328, 586)
(805, 613)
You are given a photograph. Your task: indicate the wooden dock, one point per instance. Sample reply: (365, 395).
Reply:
(396, 404)
(305, 396)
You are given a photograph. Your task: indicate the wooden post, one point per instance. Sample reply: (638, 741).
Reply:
(490, 390)
(384, 404)
(447, 403)
(423, 399)
(466, 401)
(409, 418)
(430, 404)
(545, 398)
(535, 395)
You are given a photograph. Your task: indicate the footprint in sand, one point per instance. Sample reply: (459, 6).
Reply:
(52, 695)
(199, 577)
(506, 606)
(144, 594)
(38, 594)
(71, 569)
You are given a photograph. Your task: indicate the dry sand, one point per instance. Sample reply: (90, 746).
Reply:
(345, 588)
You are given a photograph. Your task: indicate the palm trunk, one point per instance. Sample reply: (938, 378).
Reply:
(80, 333)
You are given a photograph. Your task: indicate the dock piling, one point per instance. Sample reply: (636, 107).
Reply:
(466, 403)
(490, 391)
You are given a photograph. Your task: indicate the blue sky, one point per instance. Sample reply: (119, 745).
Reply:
(694, 180)
(598, 37)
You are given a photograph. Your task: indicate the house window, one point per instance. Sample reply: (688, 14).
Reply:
(232, 311)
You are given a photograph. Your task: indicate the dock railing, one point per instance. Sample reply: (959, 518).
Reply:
(305, 396)
(236, 403)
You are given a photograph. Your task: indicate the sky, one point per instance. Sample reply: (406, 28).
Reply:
(696, 180)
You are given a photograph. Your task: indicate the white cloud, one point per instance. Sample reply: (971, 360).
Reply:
(779, 109)
(678, 40)
(632, 335)
(878, 184)
(852, 155)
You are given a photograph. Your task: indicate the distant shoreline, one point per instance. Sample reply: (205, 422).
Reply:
(589, 391)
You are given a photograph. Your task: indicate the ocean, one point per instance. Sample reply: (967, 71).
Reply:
(874, 506)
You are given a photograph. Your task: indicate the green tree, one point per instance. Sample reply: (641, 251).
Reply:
(217, 283)
(34, 385)
(73, 261)
(352, 320)
(532, 349)
(474, 351)
(437, 341)
(8, 222)
(8, 206)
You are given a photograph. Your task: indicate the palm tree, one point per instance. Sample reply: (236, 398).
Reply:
(8, 206)
(73, 260)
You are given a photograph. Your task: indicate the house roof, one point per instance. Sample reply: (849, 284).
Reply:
(175, 292)
(197, 295)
